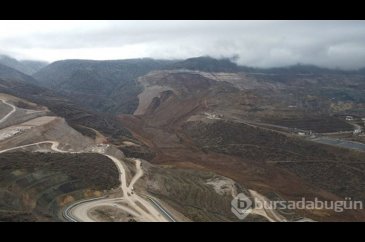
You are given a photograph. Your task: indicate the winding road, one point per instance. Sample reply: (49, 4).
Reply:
(134, 204)
(54, 147)
(129, 201)
(10, 113)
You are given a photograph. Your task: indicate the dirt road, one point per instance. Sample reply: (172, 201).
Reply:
(134, 204)
(137, 206)
(10, 113)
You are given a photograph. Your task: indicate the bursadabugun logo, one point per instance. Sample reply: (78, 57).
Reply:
(241, 206)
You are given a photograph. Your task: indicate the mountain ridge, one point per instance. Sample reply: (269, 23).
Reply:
(9, 73)
(27, 67)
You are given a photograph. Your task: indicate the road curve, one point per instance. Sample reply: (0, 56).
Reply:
(134, 204)
(66, 212)
(54, 146)
(140, 208)
(137, 206)
(139, 173)
(10, 113)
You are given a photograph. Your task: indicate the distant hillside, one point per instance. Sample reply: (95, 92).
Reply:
(106, 86)
(300, 69)
(76, 116)
(8, 73)
(207, 64)
(361, 71)
(34, 65)
(111, 86)
(28, 67)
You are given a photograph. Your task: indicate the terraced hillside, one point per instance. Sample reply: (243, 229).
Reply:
(47, 166)
(36, 182)
(35, 186)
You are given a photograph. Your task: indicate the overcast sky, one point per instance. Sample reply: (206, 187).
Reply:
(256, 43)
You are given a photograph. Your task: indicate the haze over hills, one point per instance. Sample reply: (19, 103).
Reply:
(189, 135)
(9, 73)
(28, 67)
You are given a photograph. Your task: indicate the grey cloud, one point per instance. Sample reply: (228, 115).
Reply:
(256, 43)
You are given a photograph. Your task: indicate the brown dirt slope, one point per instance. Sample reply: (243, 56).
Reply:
(180, 133)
